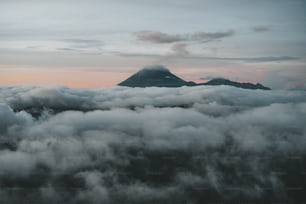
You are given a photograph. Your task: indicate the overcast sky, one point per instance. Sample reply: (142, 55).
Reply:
(99, 43)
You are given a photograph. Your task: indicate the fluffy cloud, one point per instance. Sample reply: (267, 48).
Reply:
(151, 145)
(159, 37)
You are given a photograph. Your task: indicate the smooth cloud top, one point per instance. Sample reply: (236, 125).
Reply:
(122, 97)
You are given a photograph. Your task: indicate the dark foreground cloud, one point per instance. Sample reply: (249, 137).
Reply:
(159, 37)
(151, 145)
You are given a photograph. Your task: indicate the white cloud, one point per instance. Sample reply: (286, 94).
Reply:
(140, 145)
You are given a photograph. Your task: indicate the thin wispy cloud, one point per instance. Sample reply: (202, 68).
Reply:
(182, 50)
(84, 43)
(160, 37)
(261, 28)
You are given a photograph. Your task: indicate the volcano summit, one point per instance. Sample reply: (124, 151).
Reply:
(160, 76)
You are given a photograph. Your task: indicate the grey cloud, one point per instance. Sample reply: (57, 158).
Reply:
(63, 98)
(278, 79)
(66, 49)
(84, 43)
(250, 59)
(149, 145)
(254, 59)
(197, 57)
(159, 37)
(261, 28)
(76, 40)
(269, 59)
(12, 119)
(209, 77)
(81, 45)
(33, 47)
(180, 49)
(207, 36)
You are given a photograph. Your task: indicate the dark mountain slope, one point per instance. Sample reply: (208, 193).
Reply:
(221, 81)
(156, 76)
(159, 76)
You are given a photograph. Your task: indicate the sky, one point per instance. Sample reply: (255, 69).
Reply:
(100, 43)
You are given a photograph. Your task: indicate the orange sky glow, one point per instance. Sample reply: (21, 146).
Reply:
(80, 78)
(61, 77)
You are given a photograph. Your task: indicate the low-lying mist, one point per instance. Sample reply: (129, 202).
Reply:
(152, 145)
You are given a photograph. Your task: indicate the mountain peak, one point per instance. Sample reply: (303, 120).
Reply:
(155, 75)
(223, 81)
(155, 68)
(160, 76)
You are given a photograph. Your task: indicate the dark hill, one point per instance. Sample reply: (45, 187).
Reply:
(159, 76)
(154, 76)
(221, 81)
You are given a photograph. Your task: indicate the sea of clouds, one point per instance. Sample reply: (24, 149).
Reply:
(152, 145)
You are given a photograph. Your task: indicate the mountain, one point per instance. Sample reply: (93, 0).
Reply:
(159, 76)
(155, 76)
(222, 81)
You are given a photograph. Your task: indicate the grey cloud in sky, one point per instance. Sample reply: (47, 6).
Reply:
(208, 36)
(180, 49)
(67, 49)
(268, 59)
(84, 43)
(261, 28)
(160, 37)
(81, 45)
(284, 80)
(205, 78)
(251, 59)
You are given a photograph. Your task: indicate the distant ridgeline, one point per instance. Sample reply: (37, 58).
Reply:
(160, 76)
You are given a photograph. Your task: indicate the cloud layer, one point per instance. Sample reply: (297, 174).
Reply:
(260, 28)
(159, 37)
(151, 145)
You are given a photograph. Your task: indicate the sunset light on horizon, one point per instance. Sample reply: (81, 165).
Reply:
(100, 43)
(152, 101)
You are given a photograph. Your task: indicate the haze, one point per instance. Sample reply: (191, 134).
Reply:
(100, 43)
